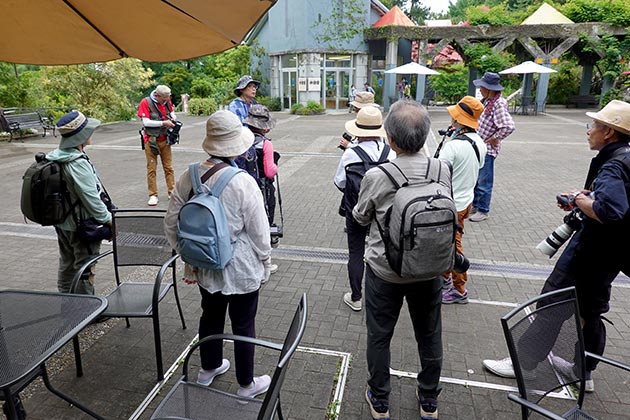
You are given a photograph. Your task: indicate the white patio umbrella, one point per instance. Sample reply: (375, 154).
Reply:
(412, 68)
(53, 32)
(527, 67)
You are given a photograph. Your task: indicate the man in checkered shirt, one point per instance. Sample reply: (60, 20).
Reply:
(495, 124)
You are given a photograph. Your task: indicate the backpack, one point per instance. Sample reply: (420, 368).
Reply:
(419, 228)
(45, 197)
(354, 175)
(248, 162)
(203, 236)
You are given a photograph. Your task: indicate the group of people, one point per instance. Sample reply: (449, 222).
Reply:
(477, 131)
(404, 89)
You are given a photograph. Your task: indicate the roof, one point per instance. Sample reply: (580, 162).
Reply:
(395, 17)
(546, 14)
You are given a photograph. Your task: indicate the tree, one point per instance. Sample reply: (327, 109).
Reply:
(346, 21)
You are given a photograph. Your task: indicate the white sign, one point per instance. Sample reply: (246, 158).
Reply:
(314, 84)
(302, 87)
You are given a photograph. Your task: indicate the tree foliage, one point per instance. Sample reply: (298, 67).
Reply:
(615, 12)
(452, 84)
(484, 58)
(346, 21)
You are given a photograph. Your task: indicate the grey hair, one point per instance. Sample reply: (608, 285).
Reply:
(408, 124)
(162, 90)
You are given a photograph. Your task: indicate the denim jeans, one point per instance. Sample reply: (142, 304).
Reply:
(483, 189)
(383, 301)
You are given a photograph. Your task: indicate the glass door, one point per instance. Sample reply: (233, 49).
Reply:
(337, 88)
(289, 88)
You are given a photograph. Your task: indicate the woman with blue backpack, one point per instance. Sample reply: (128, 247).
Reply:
(234, 288)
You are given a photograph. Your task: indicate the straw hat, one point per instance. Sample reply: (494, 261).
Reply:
(260, 118)
(467, 111)
(369, 123)
(363, 99)
(226, 136)
(616, 115)
(75, 129)
(490, 81)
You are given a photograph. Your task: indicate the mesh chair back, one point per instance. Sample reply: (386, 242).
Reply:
(291, 342)
(544, 338)
(139, 237)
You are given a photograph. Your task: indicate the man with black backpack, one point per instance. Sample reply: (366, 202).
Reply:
(398, 267)
(85, 193)
(369, 151)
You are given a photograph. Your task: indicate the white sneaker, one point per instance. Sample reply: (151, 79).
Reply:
(355, 305)
(153, 200)
(589, 386)
(206, 377)
(260, 385)
(273, 269)
(566, 369)
(501, 367)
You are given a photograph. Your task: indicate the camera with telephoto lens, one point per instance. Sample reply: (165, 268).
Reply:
(550, 245)
(448, 132)
(172, 134)
(460, 263)
(346, 136)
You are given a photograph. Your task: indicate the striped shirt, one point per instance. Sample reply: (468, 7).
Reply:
(495, 122)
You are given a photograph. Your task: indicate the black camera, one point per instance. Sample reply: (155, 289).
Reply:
(172, 134)
(448, 132)
(346, 136)
(461, 264)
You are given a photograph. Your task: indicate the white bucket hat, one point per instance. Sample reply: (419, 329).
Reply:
(364, 99)
(616, 115)
(226, 136)
(369, 123)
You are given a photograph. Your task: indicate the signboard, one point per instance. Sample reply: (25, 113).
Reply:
(302, 84)
(314, 84)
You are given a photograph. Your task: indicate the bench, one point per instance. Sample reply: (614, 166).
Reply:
(582, 101)
(18, 122)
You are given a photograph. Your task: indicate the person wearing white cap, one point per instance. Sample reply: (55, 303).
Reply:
(85, 190)
(234, 289)
(598, 250)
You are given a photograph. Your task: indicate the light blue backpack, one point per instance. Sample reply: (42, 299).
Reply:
(203, 236)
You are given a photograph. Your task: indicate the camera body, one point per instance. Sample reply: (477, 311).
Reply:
(347, 137)
(461, 264)
(172, 133)
(567, 201)
(448, 132)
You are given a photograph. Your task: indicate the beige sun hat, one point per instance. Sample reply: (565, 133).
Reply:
(616, 115)
(364, 99)
(226, 136)
(369, 123)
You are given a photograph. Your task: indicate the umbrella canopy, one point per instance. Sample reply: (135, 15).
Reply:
(412, 68)
(52, 32)
(527, 67)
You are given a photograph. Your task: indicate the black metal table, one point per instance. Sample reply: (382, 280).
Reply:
(33, 326)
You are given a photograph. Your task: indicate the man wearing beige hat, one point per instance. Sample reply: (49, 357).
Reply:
(370, 150)
(85, 190)
(233, 290)
(361, 100)
(598, 249)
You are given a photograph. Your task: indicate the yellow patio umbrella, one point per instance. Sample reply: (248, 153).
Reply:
(53, 32)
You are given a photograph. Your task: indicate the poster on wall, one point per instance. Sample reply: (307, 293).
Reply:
(314, 84)
(302, 84)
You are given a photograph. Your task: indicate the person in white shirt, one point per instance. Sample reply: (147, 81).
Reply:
(465, 150)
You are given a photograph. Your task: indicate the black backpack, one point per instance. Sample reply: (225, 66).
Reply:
(354, 175)
(45, 197)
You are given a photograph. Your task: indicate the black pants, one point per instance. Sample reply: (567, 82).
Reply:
(356, 250)
(593, 293)
(242, 310)
(383, 301)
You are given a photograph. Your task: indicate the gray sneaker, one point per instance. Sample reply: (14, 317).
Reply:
(478, 217)
(355, 305)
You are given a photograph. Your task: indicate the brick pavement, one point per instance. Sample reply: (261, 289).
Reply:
(546, 155)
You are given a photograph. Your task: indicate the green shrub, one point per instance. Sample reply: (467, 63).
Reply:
(314, 106)
(202, 106)
(295, 108)
(273, 104)
(452, 84)
(311, 108)
(564, 83)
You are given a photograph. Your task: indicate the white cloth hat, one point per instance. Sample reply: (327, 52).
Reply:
(226, 136)
(369, 123)
(616, 115)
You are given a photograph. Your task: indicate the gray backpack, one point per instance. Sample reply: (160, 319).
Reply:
(420, 226)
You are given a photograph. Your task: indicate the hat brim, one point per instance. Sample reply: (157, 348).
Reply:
(461, 117)
(596, 117)
(80, 137)
(351, 127)
(229, 148)
(360, 105)
(481, 83)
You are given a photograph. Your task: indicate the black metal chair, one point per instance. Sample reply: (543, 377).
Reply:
(189, 400)
(139, 240)
(544, 337)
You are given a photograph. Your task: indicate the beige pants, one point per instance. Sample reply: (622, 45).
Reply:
(167, 166)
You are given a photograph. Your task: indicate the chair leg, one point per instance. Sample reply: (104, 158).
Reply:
(158, 347)
(77, 356)
(179, 305)
(279, 411)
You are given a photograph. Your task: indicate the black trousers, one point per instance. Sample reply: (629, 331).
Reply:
(383, 301)
(356, 250)
(242, 310)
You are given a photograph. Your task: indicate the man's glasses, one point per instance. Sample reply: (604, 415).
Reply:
(590, 125)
